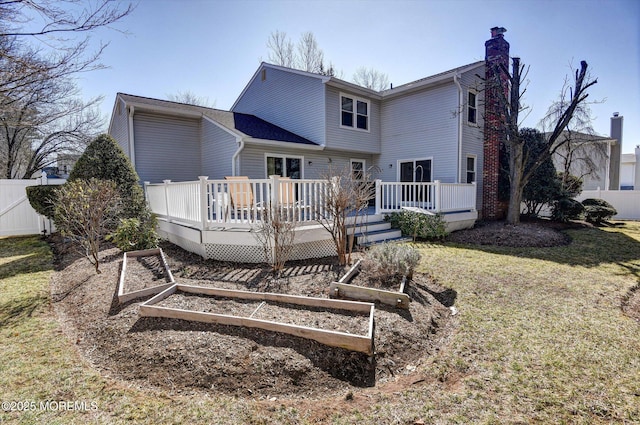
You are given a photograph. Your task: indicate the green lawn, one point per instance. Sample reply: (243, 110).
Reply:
(540, 337)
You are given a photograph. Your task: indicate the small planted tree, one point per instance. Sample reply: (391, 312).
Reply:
(275, 233)
(86, 211)
(345, 196)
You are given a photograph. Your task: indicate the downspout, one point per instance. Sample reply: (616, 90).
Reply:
(461, 112)
(132, 151)
(235, 156)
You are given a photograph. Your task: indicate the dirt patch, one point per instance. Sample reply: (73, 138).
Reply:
(145, 272)
(631, 303)
(187, 357)
(538, 233)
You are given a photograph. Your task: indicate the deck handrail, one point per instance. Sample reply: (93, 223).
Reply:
(207, 204)
(433, 196)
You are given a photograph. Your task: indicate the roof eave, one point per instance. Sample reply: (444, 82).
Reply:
(282, 144)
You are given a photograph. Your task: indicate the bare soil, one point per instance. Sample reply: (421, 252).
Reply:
(187, 357)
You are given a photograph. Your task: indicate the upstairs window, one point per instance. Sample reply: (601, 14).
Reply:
(472, 107)
(354, 113)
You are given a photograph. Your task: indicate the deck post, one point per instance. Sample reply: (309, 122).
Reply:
(274, 193)
(437, 202)
(204, 207)
(166, 199)
(145, 185)
(378, 200)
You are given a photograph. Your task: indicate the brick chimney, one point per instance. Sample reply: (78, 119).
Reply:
(496, 61)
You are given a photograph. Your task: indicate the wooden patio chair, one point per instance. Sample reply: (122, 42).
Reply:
(240, 192)
(288, 196)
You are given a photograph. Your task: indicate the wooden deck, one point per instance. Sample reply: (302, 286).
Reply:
(218, 218)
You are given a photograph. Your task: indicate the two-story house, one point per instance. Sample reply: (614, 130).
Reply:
(296, 124)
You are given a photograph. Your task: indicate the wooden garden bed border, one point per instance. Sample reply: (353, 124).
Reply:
(360, 343)
(123, 297)
(342, 289)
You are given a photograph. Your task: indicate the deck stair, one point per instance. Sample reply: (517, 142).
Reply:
(372, 230)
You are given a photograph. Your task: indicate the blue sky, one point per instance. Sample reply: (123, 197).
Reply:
(213, 47)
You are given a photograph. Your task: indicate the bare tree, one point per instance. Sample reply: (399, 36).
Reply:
(41, 114)
(310, 57)
(281, 51)
(58, 17)
(371, 79)
(86, 211)
(275, 233)
(572, 97)
(346, 196)
(190, 98)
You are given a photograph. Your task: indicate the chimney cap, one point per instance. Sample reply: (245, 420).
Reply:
(496, 31)
(615, 114)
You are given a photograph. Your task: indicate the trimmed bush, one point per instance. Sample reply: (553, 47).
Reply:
(565, 209)
(598, 210)
(105, 160)
(43, 199)
(392, 261)
(417, 225)
(134, 234)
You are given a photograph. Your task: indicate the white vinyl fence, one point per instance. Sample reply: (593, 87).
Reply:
(626, 202)
(17, 217)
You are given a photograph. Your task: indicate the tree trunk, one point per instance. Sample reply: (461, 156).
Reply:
(516, 171)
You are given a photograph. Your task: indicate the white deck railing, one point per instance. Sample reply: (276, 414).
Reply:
(432, 196)
(208, 204)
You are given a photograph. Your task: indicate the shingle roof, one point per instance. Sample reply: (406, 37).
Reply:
(260, 129)
(243, 124)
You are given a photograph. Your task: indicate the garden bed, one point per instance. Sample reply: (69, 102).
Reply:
(306, 317)
(344, 289)
(143, 273)
(187, 357)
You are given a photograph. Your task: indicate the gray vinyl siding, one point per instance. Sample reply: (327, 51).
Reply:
(348, 139)
(166, 147)
(292, 101)
(423, 124)
(473, 134)
(119, 128)
(218, 147)
(253, 165)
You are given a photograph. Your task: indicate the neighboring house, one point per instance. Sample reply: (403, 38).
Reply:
(596, 160)
(630, 170)
(297, 124)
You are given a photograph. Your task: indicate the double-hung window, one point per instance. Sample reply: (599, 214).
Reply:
(471, 169)
(354, 112)
(472, 107)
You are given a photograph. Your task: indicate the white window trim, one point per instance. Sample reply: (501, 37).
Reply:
(466, 109)
(364, 164)
(284, 159)
(414, 160)
(475, 167)
(356, 99)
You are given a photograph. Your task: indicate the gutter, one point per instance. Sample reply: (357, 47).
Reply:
(460, 112)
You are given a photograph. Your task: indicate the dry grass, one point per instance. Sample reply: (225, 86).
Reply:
(540, 338)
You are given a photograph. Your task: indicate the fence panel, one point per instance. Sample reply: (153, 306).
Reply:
(626, 202)
(17, 217)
